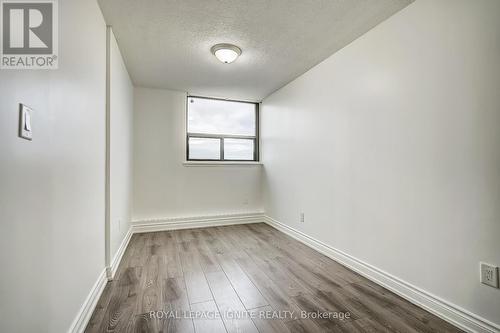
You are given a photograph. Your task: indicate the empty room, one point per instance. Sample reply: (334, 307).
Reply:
(249, 166)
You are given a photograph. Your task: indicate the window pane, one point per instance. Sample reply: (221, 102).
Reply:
(209, 116)
(238, 149)
(204, 149)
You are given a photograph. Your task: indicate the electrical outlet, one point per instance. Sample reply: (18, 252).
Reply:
(302, 219)
(489, 275)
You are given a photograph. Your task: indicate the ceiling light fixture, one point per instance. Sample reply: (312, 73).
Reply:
(226, 53)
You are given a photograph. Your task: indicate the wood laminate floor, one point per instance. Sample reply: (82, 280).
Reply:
(245, 278)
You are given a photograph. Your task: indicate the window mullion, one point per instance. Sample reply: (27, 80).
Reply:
(222, 149)
(255, 149)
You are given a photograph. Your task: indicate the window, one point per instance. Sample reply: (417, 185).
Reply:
(222, 130)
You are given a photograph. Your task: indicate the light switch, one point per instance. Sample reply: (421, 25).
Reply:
(25, 122)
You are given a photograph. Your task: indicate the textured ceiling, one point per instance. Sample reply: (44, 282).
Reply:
(166, 43)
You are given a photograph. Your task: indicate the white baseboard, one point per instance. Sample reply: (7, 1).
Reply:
(450, 312)
(111, 270)
(174, 223)
(82, 318)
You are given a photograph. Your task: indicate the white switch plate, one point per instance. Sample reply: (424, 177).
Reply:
(25, 122)
(489, 274)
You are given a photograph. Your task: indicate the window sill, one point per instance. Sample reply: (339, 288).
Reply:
(222, 163)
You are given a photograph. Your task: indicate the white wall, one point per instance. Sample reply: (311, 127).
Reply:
(52, 189)
(163, 186)
(121, 147)
(391, 147)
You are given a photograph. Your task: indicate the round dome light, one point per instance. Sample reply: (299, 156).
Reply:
(226, 53)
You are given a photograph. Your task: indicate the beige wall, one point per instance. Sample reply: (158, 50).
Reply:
(391, 148)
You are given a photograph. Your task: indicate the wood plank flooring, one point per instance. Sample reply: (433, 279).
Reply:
(245, 278)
